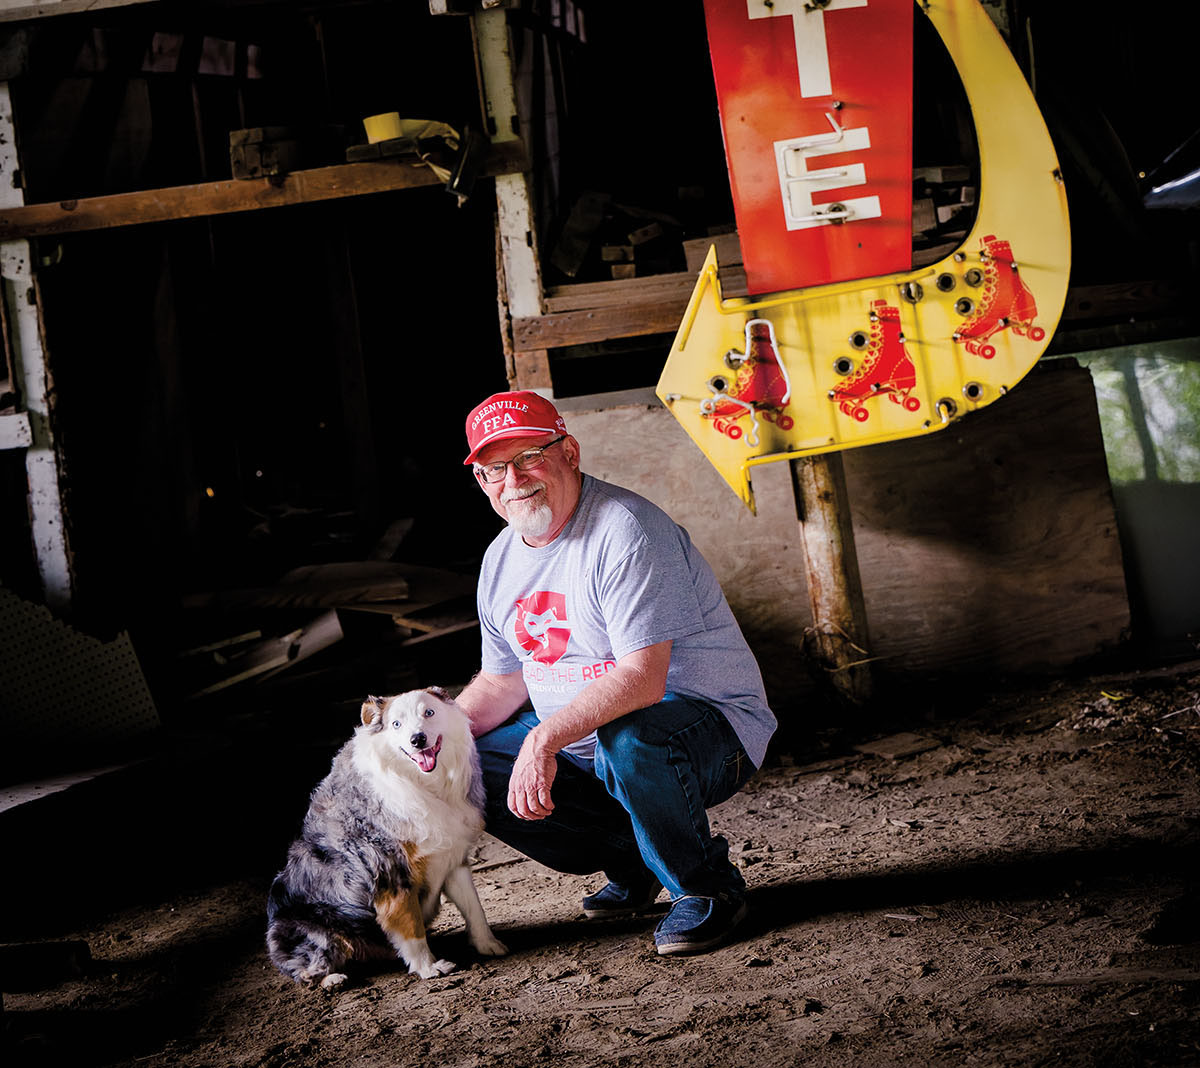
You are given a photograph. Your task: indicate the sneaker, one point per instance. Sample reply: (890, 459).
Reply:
(698, 924)
(618, 900)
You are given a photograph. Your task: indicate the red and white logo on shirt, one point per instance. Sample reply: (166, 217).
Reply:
(542, 627)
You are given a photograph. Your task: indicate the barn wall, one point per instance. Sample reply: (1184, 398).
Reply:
(991, 546)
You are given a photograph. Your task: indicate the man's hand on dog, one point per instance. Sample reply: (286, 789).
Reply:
(532, 776)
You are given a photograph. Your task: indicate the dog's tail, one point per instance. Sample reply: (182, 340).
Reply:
(308, 940)
(303, 953)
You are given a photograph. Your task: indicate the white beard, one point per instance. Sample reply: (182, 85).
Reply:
(527, 519)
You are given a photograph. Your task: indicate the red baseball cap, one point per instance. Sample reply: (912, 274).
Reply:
(519, 414)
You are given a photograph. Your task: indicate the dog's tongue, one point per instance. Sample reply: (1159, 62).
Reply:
(427, 758)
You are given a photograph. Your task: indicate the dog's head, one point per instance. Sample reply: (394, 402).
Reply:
(415, 724)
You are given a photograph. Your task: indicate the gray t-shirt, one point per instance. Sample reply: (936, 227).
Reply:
(621, 576)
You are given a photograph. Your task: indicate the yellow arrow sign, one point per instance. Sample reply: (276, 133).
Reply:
(762, 379)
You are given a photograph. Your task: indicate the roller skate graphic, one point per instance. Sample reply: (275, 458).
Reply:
(760, 386)
(1005, 302)
(886, 369)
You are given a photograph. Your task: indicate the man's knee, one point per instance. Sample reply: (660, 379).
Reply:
(624, 738)
(627, 746)
(646, 730)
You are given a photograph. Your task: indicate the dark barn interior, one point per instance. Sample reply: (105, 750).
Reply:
(241, 339)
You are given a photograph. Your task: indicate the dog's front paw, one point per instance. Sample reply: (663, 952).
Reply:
(333, 980)
(436, 968)
(489, 946)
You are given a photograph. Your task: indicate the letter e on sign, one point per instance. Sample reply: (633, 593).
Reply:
(816, 111)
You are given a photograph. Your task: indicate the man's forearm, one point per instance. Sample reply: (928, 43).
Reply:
(636, 682)
(489, 700)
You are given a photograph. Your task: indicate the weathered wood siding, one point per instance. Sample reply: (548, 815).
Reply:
(990, 546)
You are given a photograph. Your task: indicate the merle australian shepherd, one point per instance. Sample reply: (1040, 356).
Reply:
(387, 832)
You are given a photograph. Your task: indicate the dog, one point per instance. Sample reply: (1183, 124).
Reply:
(386, 834)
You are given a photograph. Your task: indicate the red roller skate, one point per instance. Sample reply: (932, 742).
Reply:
(760, 385)
(1004, 302)
(886, 369)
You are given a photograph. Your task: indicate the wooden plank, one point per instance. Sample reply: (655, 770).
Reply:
(596, 324)
(646, 290)
(531, 370)
(613, 294)
(993, 545)
(316, 586)
(14, 10)
(729, 250)
(234, 195)
(454, 628)
(897, 746)
(420, 615)
(579, 231)
(273, 655)
(597, 311)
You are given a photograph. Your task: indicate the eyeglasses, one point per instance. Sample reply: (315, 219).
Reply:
(525, 461)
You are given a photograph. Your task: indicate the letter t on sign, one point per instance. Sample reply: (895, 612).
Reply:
(808, 25)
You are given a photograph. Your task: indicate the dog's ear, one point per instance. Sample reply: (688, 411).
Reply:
(372, 710)
(439, 693)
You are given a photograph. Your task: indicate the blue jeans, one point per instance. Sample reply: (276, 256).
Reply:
(640, 807)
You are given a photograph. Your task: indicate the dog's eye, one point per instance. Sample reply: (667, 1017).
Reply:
(428, 712)
(395, 724)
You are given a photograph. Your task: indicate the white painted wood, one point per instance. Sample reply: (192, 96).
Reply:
(14, 431)
(17, 10)
(518, 232)
(496, 71)
(30, 372)
(518, 244)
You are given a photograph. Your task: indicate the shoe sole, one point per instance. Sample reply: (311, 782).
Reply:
(600, 914)
(684, 949)
(628, 910)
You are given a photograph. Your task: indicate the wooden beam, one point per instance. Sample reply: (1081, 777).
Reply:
(649, 289)
(14, 10)
(234, 195)
(597, 311)
(597, 324)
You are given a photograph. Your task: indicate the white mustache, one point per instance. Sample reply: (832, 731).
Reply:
(508, 496)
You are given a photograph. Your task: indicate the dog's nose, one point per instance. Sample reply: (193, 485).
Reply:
(418, 740)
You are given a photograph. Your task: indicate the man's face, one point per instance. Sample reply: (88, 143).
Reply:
(536, 503)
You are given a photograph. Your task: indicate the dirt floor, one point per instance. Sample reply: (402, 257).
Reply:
(990, 879)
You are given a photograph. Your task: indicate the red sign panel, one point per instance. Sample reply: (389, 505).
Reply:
(816, 110)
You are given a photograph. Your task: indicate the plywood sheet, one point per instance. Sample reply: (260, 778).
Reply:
(992, 546)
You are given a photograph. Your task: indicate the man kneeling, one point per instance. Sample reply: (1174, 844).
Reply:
(648, 706)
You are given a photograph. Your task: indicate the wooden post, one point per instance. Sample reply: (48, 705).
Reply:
(838, 640)
(32, 377)
(520, 281)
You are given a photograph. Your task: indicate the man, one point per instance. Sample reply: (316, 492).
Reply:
(648, 706)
